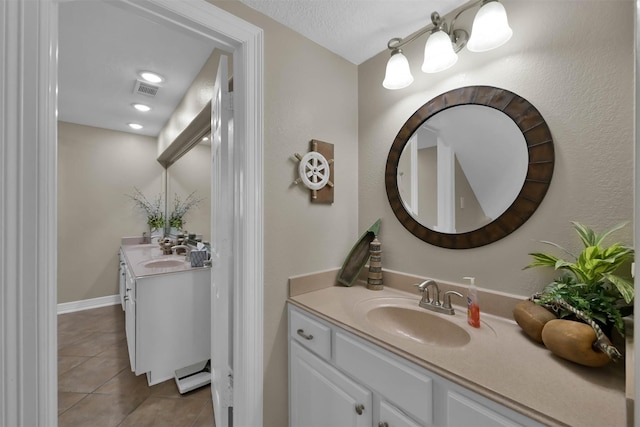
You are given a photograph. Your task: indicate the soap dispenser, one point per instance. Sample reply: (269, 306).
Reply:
(473, 306)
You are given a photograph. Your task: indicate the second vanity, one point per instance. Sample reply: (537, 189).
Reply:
(167, 308)
(351, 364)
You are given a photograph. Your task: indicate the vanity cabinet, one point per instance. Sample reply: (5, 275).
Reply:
(332, 371)
(167, 321)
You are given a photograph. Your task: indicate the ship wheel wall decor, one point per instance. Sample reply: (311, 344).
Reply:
(315, 171)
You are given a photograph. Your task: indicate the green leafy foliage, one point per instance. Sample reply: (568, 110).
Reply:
(154, 210)
(181, 208)
(597, 281)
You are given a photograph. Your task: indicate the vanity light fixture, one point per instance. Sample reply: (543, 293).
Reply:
(135, 126)
(151, 77)
(490, 30)
(141, 107)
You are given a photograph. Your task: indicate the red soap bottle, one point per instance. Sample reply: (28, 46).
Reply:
(473, 306)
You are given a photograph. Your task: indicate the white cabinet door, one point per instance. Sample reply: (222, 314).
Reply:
(121, 281)
(130, 319)
(463, 412)
(173, 318)
(390, 416)
(321, 396)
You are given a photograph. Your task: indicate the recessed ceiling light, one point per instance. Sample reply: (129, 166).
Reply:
(135, 126)
(141, 107)
(151, 77)
(206, 138)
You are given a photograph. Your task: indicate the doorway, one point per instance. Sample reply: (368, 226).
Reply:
(29, 200)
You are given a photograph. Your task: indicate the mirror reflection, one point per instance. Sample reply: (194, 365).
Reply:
(191, 176)
(187, 154)
(462, 168)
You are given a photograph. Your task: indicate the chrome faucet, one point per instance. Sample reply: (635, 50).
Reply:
(187, 248)
(424, 289)
(434, 304)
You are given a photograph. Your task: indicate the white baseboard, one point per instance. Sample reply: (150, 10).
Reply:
(87, 304)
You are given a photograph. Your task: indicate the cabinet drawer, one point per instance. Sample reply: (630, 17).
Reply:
(407, 388)
(310, 333)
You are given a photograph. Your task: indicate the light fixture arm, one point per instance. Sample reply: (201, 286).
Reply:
(436, 23)
(467, 7)
(458, 36)
(490, 30)
(397, 42)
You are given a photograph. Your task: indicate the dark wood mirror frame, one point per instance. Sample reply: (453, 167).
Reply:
(539, 172)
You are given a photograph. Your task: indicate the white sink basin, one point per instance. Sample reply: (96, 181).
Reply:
(403, 318)
(164, 262)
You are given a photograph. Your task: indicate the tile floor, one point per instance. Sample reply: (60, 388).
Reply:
(97, 388)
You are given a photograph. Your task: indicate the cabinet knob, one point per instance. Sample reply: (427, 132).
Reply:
(359, 408)
(383, 424)
(303, 335)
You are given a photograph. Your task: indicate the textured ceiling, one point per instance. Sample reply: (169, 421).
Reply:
(354, 29)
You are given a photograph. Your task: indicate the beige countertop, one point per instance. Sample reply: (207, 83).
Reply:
(137, 255)
(499, 362)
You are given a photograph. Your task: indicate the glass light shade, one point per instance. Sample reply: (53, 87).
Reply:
(398, 74)
(490, 28)
(438, 53)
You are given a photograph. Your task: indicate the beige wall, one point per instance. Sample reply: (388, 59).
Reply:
(97, 168)
(309, 93)
(580, 80)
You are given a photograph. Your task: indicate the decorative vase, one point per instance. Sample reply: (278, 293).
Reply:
(156, 234)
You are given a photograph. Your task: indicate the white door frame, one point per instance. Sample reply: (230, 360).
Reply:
(28, 193)
(635, 389)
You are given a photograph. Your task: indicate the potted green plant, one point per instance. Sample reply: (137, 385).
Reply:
(180, 209)
(597, 282)
(154, 211)
(594, 293)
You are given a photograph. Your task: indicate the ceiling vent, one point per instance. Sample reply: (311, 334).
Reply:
(144, 88)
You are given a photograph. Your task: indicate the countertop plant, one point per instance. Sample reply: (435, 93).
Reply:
(597, 281)
(153, 210)
(181, 208)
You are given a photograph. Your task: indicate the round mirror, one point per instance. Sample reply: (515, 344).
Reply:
(469, 167)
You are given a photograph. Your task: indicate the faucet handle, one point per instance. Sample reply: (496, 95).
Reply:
(447, 298)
